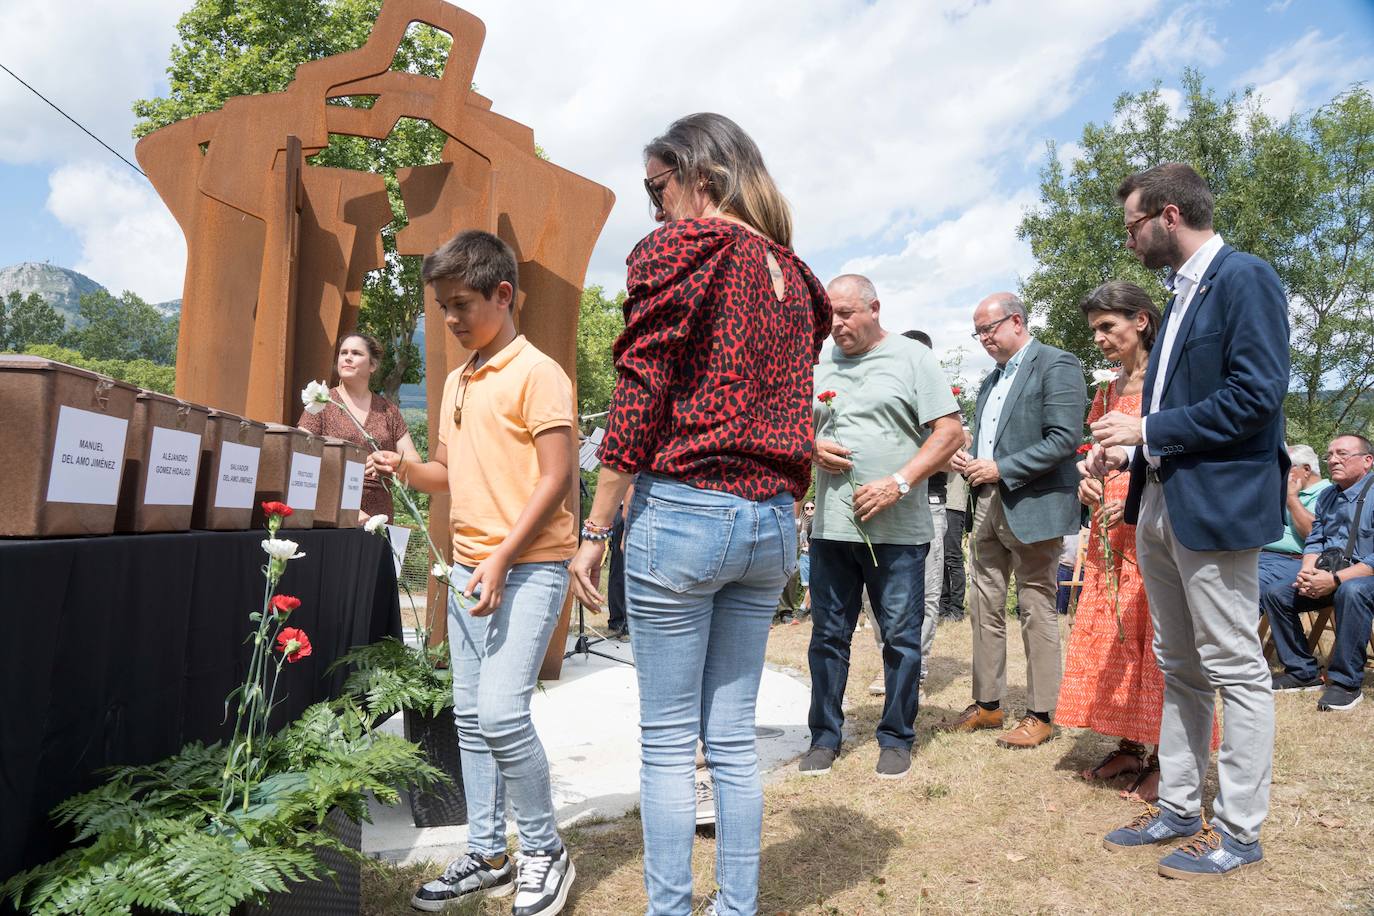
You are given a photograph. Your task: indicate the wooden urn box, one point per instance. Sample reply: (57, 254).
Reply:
(161, 463)
(63, 447)
(289, 473)
(227, 486)
(341, 484)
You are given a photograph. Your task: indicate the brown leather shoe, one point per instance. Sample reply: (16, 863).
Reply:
(1029, 732)
(972, 719)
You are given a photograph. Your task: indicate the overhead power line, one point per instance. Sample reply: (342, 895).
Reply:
(73, 120)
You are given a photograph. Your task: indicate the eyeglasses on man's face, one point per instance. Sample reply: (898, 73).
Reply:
(655, 188)
(1341, 455)
(1134, 225)
(987, 329)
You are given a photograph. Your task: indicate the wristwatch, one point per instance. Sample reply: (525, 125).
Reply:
(903, 488)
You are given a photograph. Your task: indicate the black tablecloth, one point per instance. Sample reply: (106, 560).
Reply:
(119, 650)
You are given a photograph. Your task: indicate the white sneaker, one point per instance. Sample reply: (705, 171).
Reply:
(464, 879)
(543, 884)
(706, 799)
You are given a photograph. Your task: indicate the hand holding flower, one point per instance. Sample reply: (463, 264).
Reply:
(1117, 428)
(872, 498)
(1111, 512)
(832, 456)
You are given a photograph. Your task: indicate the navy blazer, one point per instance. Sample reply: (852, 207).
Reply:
(1219, 428)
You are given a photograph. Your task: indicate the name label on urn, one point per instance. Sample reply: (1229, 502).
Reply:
(173, 458)
(352, 496)
(238, 476)
(87, 458)
(305, 481)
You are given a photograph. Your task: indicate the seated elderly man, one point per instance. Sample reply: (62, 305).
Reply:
(1280, 561)
(1337, 569)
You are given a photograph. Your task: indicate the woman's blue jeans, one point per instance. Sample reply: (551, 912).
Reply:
(703, 573)
(495, 662)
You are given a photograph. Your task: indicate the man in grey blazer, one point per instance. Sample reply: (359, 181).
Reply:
(1023, 477)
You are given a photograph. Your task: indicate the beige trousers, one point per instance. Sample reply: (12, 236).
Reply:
(996, 554)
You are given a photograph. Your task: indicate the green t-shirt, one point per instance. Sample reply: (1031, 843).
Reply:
(1290, 542)
(884, 399)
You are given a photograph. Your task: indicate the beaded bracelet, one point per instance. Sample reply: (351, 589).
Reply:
(592, 532)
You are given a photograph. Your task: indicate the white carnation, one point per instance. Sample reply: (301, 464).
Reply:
(281, 549)
(315, 396)
(375, 524)
(1104, 376)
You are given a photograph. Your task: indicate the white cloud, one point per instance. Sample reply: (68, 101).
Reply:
(128, 239)
(941, 273)
(92, 60)
(875, 118)
(1307, 72)
(1185, 38)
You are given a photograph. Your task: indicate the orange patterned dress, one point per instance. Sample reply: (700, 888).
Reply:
(1113, 685)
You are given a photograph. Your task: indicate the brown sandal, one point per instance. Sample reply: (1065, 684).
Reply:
(1151, 768)
(1126, 749)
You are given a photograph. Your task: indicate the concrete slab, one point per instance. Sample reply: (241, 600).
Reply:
(588, 721)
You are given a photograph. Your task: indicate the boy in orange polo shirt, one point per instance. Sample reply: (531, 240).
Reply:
(506, 451)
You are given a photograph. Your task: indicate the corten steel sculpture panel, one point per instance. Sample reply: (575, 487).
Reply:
(277, 249)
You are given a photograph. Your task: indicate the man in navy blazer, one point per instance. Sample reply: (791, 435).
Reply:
(1208, 470)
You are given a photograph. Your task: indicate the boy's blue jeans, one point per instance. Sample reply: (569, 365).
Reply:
(495, 662)
(703, 573)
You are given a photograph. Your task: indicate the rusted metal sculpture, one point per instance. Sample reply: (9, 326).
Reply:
(277, 249)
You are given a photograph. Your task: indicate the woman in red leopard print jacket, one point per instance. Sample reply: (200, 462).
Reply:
(712, 413)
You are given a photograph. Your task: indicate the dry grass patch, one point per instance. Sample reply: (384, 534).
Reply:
(978, 829)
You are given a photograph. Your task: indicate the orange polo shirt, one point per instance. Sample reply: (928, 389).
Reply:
(492, 464)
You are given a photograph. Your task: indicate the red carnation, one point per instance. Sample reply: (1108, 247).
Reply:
(956, 390)
(825, 397)
(276, 508)
(285, 604)
(1085, 448)
(293, 643)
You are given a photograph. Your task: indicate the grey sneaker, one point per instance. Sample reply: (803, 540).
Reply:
(465, 879)
(1291, 683)
(817, 761)
(545, 878)
(1339, 698)
(893, 763)
(706, 799)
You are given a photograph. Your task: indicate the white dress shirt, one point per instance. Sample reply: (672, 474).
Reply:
(1185, 284)
(992, 407)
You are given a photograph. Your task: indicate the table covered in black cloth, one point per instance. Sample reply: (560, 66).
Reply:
(119, 650)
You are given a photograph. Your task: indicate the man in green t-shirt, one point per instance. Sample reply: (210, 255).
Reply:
(1280, 561)
(891, 423)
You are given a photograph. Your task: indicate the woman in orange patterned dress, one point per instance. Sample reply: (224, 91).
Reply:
(1112, 683)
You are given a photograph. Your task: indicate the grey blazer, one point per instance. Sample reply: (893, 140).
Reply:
(1037, 442)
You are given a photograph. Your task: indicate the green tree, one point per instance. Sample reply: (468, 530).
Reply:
(600, 321)
(140, 372)
(26, 321)
(1298, 193)
(246, 47)
(123, 328)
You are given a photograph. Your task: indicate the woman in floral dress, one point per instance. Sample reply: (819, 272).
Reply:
(1112, 682)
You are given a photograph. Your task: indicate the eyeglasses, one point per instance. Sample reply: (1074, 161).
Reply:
(1342, 455)
(1134, 225)
(987, 329)
(808, 508)
(656, 191)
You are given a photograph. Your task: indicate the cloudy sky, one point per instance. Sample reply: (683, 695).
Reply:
(907, 135)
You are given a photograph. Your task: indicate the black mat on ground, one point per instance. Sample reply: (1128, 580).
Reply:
(119, 650)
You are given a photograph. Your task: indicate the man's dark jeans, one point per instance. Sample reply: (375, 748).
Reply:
(952, 592)
(1354, 603)
(896, 590)
(615, 577)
